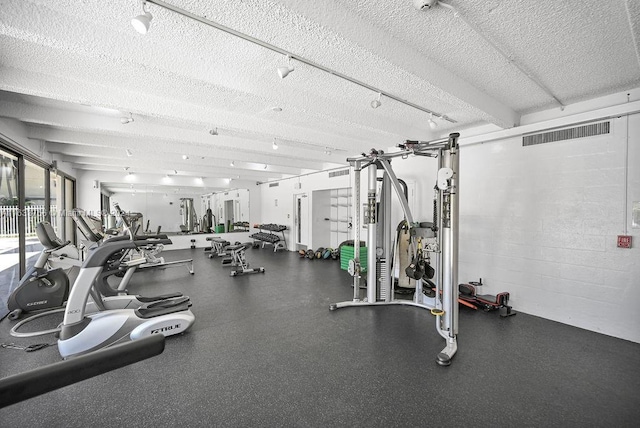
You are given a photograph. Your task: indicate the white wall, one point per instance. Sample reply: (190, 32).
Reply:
(541, 222)
(278, 202)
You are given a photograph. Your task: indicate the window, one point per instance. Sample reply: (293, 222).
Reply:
(29, 194)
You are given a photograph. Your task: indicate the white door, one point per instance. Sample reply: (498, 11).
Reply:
(302, 219)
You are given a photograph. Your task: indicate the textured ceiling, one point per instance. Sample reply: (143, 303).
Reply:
(70, 70)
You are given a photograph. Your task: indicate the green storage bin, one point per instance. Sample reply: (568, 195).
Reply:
(346, 254)
(219, 228)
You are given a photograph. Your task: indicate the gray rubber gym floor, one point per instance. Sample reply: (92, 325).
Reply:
(266, 351)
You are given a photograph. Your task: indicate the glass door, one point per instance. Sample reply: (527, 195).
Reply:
(35, 209)
(69, 205)
(9, 227)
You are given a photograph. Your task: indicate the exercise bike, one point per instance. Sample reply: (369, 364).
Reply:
(41, 288)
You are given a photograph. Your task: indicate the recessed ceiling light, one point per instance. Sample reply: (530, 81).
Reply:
(274, 145)
(376, 103)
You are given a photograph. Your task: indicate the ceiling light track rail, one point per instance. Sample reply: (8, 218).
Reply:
(293, 56)
(506, 56)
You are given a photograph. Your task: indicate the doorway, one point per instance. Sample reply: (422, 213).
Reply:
(302, 221)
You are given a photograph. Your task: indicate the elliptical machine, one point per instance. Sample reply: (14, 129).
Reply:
(41, 288)
(80, 333)
(32, 294)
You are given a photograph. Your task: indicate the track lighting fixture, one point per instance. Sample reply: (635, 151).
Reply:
(175, 171)
(284, 71)
(376, 103)
(126, 119)
(424, 4)
(213, 131)
(432, 123)
(185, 157)
(232, 163)
(266, 166)
(274, 145)
(142, 22)
(129, 152)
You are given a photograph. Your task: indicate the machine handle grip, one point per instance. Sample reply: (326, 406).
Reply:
(23, 386)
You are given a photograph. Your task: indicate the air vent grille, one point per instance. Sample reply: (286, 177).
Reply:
(274, 184)
(338, 173)
(567, 134)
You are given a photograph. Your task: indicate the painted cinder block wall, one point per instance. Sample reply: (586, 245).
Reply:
(541, 222)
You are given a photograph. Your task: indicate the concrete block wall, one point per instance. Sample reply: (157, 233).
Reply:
(541, 222)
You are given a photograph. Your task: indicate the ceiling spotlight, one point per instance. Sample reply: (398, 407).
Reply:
(129, 152)
(376, 103)
(142, 22)
(284, 71)
(213, 131)
(275, 145)
(232, 163)
(432, 123)
(126, 168)
(266, 166)
(185, 157)
(175, 171)
(126, 119)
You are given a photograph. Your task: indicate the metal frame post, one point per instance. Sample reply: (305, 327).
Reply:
(371, 233)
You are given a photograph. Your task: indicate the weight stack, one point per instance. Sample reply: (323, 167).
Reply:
(381, 272)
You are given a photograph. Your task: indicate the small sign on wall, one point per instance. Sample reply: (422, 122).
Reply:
(624, 241)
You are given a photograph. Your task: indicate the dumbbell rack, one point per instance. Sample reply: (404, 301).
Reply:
(269, 237)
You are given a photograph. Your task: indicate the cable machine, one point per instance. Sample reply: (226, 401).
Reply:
(441, 246)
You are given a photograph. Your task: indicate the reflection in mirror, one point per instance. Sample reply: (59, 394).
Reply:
(228, 211)
(177, 212)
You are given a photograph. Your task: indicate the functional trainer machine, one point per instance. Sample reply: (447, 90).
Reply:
(442, 245)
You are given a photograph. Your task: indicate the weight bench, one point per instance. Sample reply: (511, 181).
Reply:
(218, 246)
(239, 261)
(467, 296)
